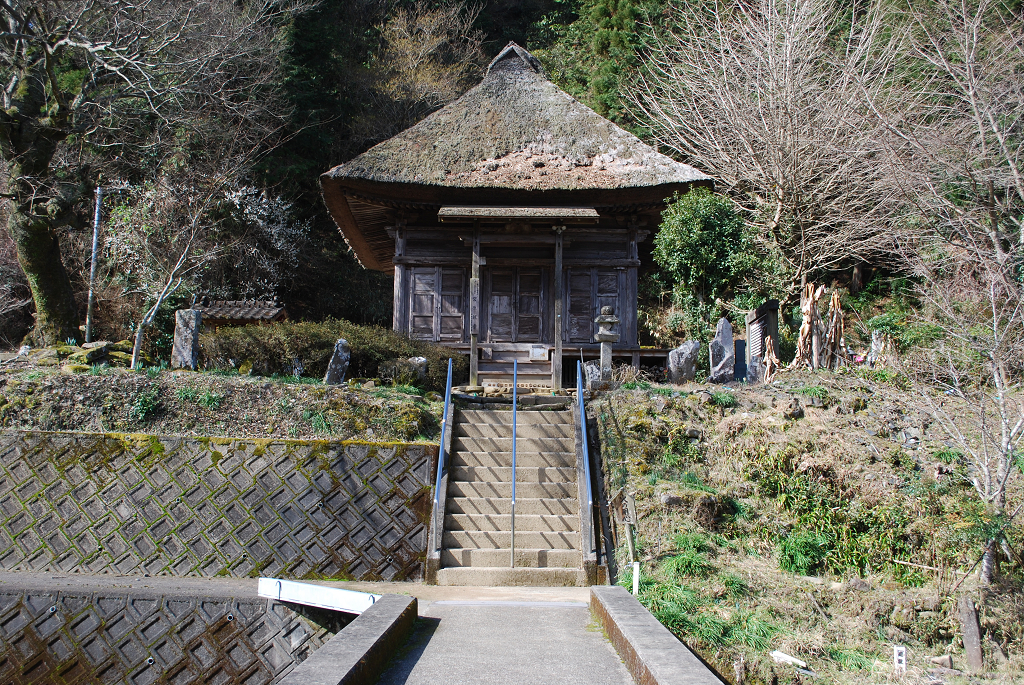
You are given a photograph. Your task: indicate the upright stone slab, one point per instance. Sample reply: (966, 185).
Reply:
(740, 365)
(338, 366)
(723, 358)
(682, 362)
(592, 374)
(185, 353)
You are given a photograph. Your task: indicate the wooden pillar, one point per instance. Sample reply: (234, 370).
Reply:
(474, 312)
(556, 356)
(400, 303)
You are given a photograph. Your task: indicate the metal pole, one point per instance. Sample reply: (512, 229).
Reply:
(515, 385)
(92, 266)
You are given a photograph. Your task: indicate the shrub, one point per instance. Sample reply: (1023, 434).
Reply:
(280, 348)
(802, 552)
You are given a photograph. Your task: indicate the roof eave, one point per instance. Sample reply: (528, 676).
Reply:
(337, 205)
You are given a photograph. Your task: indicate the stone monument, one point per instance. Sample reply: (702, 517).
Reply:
(606, 337)
(722, 353)
(338, 366)
(185, 352)
(682, 362)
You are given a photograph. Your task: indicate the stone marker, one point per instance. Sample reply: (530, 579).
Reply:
(338, 366)
(722, 355)
(418, 366)
(739, 369)
(606, 337)
(972, 634)
(185, 353)
(591, 373)
(682, 362)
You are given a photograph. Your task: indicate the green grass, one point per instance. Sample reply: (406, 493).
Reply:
(188, 393)
(813, 391)
(317, 420)
(850, 659)
(723, 398)
(802, 552)
(211, 400)
(735, 586)
(685, 564)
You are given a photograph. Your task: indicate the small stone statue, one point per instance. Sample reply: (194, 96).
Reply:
(606, 337)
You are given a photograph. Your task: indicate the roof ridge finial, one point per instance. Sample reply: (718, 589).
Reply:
(529, 60)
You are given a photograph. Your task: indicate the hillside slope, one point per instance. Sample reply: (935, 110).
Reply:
(830, 536)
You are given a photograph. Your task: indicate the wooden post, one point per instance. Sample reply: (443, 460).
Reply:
(474, 312)
(400, 303)
(556, 357)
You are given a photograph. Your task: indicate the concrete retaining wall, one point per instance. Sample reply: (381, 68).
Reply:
(141, 637)
(157, 505)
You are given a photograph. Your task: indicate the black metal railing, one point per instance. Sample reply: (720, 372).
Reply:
(442, 461)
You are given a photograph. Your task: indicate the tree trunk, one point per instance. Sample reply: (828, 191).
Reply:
(39, 255)
(30, 131)
(988, 564)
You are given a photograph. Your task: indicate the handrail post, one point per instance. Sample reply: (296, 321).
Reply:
(445, 418)
(515, 403)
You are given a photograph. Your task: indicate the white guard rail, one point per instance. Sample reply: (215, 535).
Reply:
(320, 596)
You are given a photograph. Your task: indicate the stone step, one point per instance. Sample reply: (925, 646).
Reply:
(522, 445)
(457, 488)
(511, 577)
(503, 505)
(525, 558)
(497, 539)
(523, 430)
(557, 459)
(503, 522)
(503, 474)
(504, 416)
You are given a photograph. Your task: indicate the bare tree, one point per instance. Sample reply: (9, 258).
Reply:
(156, 77)
(953, 114)
(430, 55)
(764, 96)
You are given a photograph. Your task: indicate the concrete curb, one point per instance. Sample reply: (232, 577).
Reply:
(360, 652)
(652, 654)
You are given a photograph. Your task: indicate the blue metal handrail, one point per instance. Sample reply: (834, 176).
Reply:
(586, 448)
(515, 387)
(441, 461)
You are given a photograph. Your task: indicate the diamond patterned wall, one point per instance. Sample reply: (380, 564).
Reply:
(64, 638)
(140, 504)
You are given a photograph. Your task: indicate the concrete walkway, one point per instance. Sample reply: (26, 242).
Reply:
(506, 641)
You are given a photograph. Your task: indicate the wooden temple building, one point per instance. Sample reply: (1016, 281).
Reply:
(509, 218)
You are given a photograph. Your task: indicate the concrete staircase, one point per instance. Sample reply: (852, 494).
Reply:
(476, 541)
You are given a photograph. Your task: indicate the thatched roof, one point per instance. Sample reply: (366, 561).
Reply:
(515, 138)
